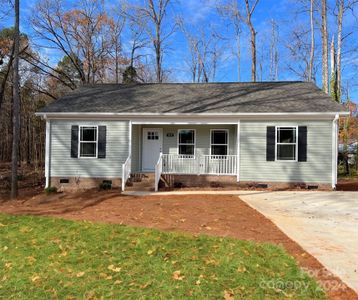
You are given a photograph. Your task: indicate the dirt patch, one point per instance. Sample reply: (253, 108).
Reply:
(347, 185)
(218, 215)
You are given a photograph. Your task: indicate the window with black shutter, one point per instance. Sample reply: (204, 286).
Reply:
(88, 141)
(286, 143)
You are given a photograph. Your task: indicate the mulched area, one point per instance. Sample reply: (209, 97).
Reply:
(218, 215)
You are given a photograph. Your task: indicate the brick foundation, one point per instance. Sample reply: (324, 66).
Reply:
(75, 183)
(207, 181)
(285, 185)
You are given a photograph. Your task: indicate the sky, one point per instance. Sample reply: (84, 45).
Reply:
(202, 16)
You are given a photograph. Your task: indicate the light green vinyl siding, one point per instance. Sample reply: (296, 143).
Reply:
(170, 143)
(117, 150)
(253, 164)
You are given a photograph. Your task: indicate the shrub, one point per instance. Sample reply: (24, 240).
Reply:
(51, 190)
(105, 185)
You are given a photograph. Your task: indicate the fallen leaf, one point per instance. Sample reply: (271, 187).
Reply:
(35, 278)
(228, 295)
(80, 274)
(5, 248)
(2, 225)
(178, 276)
(114, 269)
(150, 252)
(118, 282)
(145, 285)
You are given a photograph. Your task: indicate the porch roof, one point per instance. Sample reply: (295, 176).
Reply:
(203, 98)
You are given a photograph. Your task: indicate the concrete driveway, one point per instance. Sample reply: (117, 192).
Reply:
(325, 224)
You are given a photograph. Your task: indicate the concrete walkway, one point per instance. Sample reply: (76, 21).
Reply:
(325, 224)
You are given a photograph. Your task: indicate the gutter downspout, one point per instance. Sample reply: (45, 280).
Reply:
(334, 150)
(47, 151)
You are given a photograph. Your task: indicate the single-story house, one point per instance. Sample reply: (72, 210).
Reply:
(268, 133)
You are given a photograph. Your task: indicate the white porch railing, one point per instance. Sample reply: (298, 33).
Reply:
(126, 171)
(199, 164)
(158, 171)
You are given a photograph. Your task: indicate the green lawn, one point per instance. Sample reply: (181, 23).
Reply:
(43, 258)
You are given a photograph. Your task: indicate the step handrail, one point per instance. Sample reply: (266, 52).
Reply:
(126, 171)
(158, 171)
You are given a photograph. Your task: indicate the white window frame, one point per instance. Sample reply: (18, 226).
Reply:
(227, 142)
(79, 142)
(194, 144)
(277, 143)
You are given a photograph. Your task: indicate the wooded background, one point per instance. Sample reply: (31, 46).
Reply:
(66, 44)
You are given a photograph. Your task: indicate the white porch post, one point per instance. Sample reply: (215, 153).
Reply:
(130, 139)
(47, 153)
(238, 152)
(334, 150)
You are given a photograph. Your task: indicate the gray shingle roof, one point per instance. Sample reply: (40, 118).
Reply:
(261, 97)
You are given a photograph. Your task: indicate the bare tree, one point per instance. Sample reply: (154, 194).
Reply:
(250, 8)
(333, 81)
(343, 7)
(82, 34)
(116, 27)
(151, 17)
(16, 104)
(340, 4)
(231, 11)
(299, 47)
(205, 53)
(310, 69)
(273, 51)
(324, 33)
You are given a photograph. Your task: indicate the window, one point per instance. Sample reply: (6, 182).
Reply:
(88, 141)
(219, 142)
(152, 135)
(286, 143)
(186, 141)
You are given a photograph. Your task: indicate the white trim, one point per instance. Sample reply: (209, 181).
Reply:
(47, 153)
(130, 139)
(334, 150)
(238, 152)
(227, 141)
(112, 114)
(194, 144)
(79, 142)
(296, 144)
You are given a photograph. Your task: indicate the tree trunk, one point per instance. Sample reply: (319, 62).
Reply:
(339, 48)
(158, 54)
(324, 48)
(310, 68)
(253, 52)
(238, 57)
(16, 105)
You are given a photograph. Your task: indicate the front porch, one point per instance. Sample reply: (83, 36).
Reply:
(182, 149)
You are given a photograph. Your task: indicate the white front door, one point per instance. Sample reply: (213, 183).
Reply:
(152, 146)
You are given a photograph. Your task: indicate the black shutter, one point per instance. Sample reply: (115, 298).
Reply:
(102, 139)
(302, 143)
(270, 143)
(74, 141)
